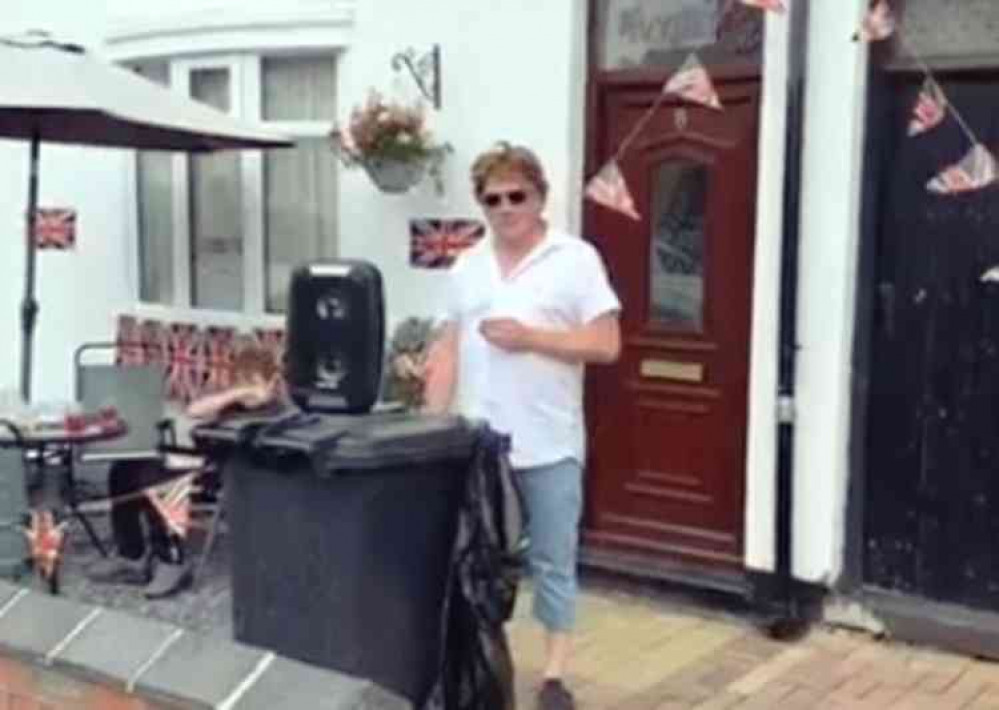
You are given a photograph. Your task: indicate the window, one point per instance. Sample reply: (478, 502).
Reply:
(638, 33)
(224, 231)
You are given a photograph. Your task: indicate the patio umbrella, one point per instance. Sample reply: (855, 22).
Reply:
(59, 93)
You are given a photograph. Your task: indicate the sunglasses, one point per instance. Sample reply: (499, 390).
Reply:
(514, 198)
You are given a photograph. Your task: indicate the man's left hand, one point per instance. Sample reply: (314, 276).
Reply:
(507, 334)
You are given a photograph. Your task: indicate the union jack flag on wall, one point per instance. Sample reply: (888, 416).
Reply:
(436, 243)
(185, 368)
(55, 228)
(218, 357)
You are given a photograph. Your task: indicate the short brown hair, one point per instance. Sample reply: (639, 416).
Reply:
(506, 160)
(253, 360)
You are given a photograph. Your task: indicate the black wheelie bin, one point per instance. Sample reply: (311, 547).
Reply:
(341, 530)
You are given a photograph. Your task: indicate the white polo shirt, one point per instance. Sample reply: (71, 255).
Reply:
(537, 400)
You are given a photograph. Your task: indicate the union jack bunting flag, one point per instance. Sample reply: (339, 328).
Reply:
(45, 540)
(879, 23)
(153, 336)
(173, 503)
(772, 5)
(608, 188)
(218, 357)
(693, 83)
(55, 228)
(185, 364)
(930, 109)
(975, 171)
(129, 342)
(436, 243)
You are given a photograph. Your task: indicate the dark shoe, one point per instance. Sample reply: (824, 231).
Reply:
(119, 570)
(555, 696)
(168, 579)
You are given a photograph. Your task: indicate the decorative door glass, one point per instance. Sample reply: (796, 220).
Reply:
(677, 243)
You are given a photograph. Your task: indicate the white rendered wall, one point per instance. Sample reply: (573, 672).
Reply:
(830, 225)
(834, 123)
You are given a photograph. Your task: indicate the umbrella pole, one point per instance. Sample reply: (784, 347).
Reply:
(29, 306)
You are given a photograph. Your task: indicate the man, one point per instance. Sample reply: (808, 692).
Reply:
(528, 307)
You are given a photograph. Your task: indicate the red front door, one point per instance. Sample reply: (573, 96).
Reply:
(668, 422)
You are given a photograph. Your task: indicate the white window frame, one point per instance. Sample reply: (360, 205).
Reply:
(238, 40)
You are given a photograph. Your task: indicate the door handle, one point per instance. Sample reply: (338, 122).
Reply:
(886, 298)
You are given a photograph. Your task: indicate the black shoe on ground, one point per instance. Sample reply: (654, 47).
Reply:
(168, 579)
(555, 696)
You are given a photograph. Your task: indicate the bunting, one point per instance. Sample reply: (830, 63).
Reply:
(608, 188)
(991, 276)
(185, 352)
(45, 539)
(879, 23)
(930, 109)
(777, 6)
(975, 171)
(173, 503)
(692, 83)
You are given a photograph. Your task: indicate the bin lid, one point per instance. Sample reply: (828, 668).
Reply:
(337, 442)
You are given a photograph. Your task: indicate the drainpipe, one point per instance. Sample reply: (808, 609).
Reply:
(786, 617)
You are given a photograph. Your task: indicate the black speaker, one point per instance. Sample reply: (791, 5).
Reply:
(335, 336)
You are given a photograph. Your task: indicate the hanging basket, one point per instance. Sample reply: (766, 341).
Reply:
(395, 176)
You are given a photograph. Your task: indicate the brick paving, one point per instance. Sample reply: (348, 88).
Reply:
(638, 648)
(642, 653)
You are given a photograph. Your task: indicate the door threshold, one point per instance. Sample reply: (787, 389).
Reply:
(925, 621)
(643, 567)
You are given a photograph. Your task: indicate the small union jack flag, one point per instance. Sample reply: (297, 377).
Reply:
(930, 109)
(772, 5)
(55, 228)
(879, 23)
(153, 336)
(608, 188)
(128, 343)
(173, 503)
(693, 83)
(45, 539)
(991, 276)
(436, 243)
(185, 366)
(975, 171)
(218, 357)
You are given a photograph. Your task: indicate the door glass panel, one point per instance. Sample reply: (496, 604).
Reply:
(676, 259)
(656, 33)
